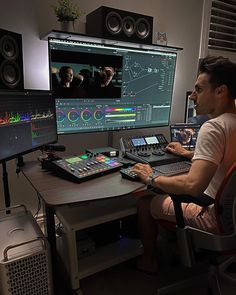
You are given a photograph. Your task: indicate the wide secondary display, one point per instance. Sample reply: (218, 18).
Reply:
(101, 87)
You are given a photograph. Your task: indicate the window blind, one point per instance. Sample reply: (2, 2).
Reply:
(222, 33)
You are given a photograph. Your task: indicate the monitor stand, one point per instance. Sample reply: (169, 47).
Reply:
(5, 185)
(110, 138)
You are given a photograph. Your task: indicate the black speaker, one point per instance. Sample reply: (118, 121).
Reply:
(11, 61)
(106, 22)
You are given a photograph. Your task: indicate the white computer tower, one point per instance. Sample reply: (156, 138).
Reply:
(25, 267)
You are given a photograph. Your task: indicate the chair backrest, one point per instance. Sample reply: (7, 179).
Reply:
(225, 202)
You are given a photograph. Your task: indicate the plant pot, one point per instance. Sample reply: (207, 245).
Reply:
(68, 26)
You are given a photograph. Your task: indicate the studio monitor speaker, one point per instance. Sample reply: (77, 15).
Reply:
(110, 23)
(11, 61)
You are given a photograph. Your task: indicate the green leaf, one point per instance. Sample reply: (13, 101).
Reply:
(66, 11)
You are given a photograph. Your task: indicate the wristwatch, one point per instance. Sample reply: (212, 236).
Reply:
(150, 180)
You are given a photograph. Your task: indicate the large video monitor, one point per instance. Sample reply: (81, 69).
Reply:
(100, 87)
(27, 122)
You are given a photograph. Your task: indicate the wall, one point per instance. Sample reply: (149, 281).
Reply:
(180, 19)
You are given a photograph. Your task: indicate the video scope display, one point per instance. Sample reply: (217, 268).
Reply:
(27, 122)
(100, 87)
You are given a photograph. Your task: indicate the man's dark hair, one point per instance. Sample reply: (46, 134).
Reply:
(63, 70)
(222, 71)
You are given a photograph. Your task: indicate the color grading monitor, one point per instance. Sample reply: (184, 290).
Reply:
(101, 87)
(27, 122)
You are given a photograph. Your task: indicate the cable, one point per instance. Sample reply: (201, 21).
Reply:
(39, 207)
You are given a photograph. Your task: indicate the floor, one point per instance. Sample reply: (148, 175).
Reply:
(125, 279)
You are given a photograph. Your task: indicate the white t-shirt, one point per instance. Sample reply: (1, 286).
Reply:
(217, 143)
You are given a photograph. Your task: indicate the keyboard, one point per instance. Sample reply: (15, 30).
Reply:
(173, 168)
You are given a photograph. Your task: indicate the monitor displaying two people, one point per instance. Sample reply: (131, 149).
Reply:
(100, 87)
(95, 83)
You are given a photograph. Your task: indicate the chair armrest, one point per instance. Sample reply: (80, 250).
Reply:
(203, 201)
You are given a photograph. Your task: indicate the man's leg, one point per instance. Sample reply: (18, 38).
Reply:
(148, 234)
(149, 210)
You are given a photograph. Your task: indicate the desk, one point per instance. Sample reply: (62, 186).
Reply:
(57, 192)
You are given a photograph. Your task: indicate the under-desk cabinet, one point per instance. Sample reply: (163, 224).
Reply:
(95, 235)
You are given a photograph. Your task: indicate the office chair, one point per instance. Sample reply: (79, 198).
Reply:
(193, 241)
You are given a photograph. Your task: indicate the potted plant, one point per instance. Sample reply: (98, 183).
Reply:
(67, 13)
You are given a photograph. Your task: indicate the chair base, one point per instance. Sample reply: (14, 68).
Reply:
(227, 269)
(211, 279)
(196, 280)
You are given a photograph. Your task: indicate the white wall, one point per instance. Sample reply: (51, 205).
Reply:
(180, 19)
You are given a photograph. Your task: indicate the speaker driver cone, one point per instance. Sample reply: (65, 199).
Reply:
(9, 48)
(128, 26)
(142, 28)
(113, 22)
(10, 74)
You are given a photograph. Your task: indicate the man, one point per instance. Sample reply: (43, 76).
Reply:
(106, 74)
(214, 95)
(104, 86)
(69, 85)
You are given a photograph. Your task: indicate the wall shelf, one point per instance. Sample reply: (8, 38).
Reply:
(85, 38)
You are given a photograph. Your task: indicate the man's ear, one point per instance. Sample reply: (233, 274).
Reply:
(222, 89)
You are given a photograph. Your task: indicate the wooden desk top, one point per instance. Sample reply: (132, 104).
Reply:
(57, 191)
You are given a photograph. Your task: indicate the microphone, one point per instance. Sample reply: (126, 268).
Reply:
(54, 147)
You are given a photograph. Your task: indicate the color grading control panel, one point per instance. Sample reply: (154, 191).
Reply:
(86, 166)
(149, 149)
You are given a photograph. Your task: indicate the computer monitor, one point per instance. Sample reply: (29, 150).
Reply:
(27, 122)
(185, 133)
(139, 94)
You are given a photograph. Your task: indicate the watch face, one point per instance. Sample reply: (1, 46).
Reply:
(149, 180)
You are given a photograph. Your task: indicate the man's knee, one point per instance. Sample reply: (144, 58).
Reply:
(161, 207)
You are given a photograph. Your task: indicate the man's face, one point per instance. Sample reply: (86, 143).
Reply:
(68, 75)
(203, 96)
(107, 75)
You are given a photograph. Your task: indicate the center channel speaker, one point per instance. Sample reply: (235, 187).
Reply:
(11, 61)
(110, 23)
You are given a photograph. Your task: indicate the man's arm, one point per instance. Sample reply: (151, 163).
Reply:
(194, 183)
(177, 149)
